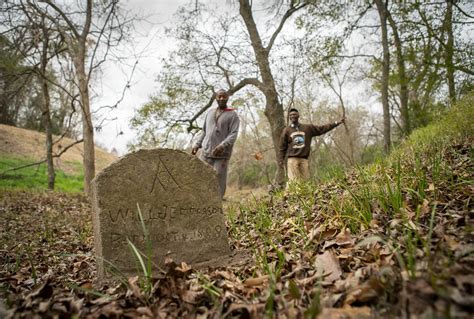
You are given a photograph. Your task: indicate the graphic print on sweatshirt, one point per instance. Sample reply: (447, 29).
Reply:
(298, 139)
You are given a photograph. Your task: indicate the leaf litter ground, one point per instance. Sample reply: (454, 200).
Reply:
(306, 261)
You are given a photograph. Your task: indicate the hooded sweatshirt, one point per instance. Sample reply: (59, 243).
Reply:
(221, 129)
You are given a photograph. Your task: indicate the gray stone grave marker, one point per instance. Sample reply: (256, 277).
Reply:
(180, 205)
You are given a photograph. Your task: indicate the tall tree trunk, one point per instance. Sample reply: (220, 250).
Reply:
(449, 52)
(46, 109)
(273, 108)
(403, 93)
(382, 10)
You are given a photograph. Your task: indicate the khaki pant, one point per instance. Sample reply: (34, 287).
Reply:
(298, 168)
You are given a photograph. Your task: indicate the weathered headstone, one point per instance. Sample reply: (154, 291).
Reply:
(180, 205)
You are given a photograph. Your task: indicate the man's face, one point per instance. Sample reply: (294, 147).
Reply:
(294, 116)
(221, 99)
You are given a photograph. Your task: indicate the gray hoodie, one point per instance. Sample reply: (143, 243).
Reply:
(220, 131)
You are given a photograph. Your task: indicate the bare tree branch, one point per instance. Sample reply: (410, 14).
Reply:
(285, 17)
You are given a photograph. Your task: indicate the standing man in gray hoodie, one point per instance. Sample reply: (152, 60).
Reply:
(219, 132)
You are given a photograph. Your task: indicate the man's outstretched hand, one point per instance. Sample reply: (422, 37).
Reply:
(342, 121)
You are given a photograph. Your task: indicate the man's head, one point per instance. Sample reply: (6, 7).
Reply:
(222, 97)
(293, 115)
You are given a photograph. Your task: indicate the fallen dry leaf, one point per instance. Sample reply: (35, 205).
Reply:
(250, 282)
(347, 312)
(327, 265)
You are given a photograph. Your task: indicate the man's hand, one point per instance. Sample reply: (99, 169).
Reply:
(218, 151)
(343, 120)
(194, 150)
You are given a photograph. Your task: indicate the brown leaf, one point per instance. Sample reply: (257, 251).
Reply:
(452, 243)
(184, 268)
(329, 299)
(461, 299)
(366, 292)
(59, 306)
(308, 280)
(346, 312)
(44, 306)
(133, 284)
(425, 208)
(112, 310)
(76, 305)
(344, 238)
(191, 297)
(101, 301)
(86, 285)
(145, 311)
(328, 265)
(258, 156)
(321, 233)
(255, 281)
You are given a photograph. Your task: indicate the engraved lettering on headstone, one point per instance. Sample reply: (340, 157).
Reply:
(116, 239)
(180, 205)
(218, 230)
(120, 213)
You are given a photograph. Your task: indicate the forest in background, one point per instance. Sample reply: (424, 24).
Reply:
(388, 66)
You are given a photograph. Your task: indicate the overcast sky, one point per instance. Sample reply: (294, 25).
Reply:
(149, 39)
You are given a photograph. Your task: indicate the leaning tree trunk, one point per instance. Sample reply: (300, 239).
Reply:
(382, 10)
(273, 108)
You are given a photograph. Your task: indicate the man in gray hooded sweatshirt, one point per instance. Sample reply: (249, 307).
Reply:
(219, 132)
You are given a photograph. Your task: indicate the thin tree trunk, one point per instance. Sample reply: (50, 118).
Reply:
(382, 10)
(87, 126)
(46, 109)
(403, 93)
(450, 51)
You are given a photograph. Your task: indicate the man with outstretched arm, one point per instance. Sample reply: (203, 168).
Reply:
(295, 143)
(219, 132)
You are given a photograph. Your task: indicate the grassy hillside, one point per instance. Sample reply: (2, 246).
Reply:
(20, 147)
(396, 235)
(389, 240)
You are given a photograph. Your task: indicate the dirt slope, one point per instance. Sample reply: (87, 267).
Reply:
(18, 142)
